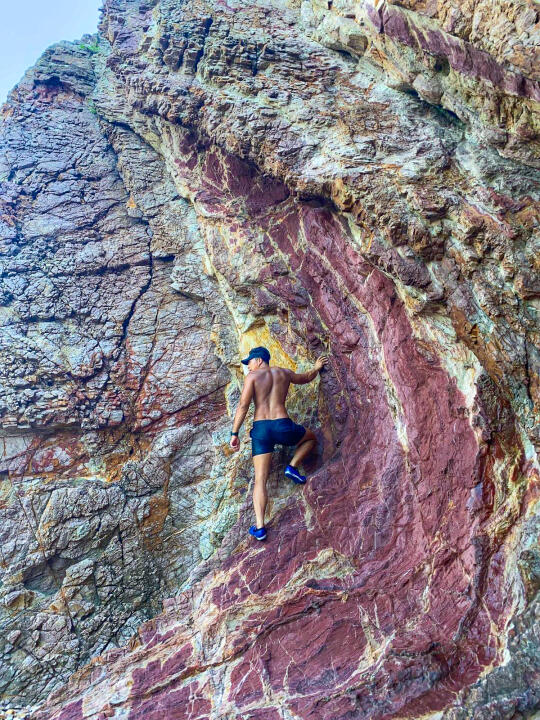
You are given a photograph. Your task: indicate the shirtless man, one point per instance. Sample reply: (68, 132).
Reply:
(268, 386)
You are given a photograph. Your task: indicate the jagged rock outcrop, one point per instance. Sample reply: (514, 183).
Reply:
(201, 177)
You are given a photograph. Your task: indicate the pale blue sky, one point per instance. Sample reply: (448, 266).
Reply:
(28, 27)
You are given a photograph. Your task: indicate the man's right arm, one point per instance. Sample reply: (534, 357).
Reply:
(302, 378)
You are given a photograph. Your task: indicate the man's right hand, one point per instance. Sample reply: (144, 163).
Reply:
(322, 360)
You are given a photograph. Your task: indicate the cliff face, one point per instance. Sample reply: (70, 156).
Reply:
(198, 178)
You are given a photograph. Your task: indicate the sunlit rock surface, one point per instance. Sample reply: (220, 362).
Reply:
(350, 178)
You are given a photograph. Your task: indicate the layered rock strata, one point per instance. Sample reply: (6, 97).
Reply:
(198, 178)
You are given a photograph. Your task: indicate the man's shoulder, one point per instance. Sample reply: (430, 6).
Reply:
(273, 369)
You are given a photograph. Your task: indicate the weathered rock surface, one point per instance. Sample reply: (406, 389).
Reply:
(343, 177)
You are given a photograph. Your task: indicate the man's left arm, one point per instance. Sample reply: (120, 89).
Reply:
(243, 405)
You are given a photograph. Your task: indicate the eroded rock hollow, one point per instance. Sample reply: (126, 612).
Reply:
(351, 178)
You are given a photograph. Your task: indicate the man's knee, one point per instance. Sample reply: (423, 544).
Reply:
(308, 435)
(262, 467)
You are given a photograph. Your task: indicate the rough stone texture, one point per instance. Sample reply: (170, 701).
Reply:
(479, 60)
(200, 177)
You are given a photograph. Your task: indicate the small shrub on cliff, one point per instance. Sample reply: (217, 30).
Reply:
(93, 48)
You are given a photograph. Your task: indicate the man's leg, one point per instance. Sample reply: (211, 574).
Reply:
(261, 463)
(304, 447)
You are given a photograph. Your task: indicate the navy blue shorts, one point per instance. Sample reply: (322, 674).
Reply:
(266, 433)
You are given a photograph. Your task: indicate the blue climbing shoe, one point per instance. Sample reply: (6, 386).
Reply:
(292, 472)
(259, 533)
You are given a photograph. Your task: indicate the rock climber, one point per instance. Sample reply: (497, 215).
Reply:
(268, 386)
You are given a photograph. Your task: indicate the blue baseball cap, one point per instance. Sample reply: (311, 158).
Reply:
(260, 351)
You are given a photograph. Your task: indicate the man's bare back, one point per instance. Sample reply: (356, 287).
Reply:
(270, 388)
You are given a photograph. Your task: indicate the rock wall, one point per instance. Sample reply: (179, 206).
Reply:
(338, 177)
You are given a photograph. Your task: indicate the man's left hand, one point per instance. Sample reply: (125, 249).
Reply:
(235, 442)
